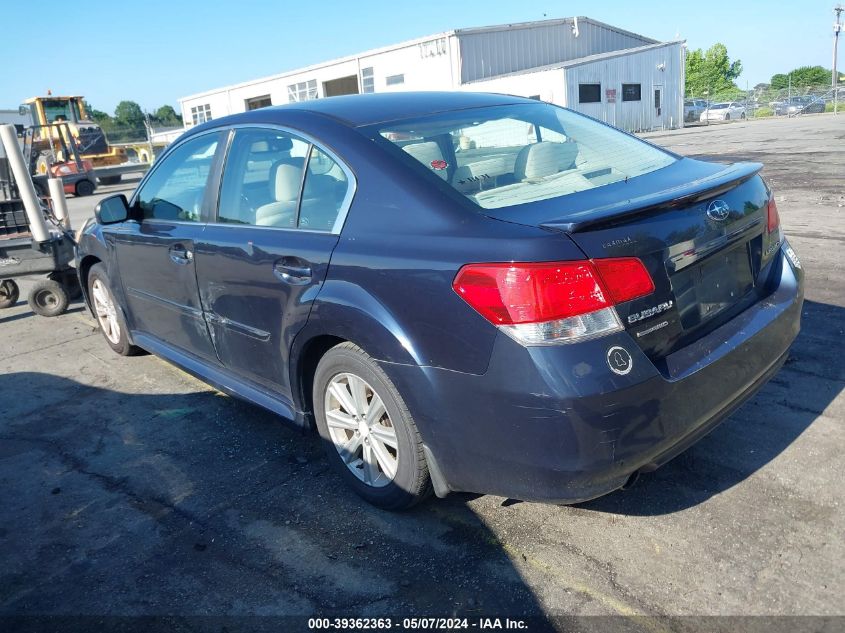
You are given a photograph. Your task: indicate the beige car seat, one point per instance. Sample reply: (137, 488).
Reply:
(285, 181)
(427, 152)
(544, 159)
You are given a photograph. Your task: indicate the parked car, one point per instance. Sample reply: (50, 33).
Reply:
(462, 291)
(693, 108)
(805, 104)
(723, 112)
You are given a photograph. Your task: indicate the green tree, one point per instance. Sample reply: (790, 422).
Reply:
(779, 80)
(95, 114)
(129, 113)
(167, 116)
(802, 77)
(711, 71)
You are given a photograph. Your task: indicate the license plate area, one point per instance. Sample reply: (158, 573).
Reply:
(704, 290)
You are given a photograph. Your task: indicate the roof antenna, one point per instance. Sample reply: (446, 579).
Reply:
(575, 26)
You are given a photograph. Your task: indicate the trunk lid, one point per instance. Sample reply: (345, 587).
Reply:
(699, 228)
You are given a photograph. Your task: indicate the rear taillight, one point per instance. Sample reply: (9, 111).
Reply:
(553, 302)
(772, 217)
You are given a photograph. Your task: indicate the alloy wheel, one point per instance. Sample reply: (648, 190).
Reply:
(361, 429)
(106, 311)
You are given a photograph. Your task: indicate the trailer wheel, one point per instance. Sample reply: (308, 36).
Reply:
(48, 298)
(109, 180)
(84, 188)
(9, 293)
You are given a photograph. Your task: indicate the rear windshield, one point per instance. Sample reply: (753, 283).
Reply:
(515, 154)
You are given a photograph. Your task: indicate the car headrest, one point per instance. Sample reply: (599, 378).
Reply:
(544, 159)
(427, 152)
(285, 182)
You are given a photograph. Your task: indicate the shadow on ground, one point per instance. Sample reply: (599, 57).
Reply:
(119, 502)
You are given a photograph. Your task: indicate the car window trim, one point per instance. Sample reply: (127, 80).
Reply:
(215, 162)
(302, 183)
(351, 180)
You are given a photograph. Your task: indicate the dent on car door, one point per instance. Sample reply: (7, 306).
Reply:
(260, 265)
(155, 251)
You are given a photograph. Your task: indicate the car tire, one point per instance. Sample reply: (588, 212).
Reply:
(727, 117)
(380, 458)
(108, 312)
(9, 293)
(48, 298)
(742, 116)
(84, 188)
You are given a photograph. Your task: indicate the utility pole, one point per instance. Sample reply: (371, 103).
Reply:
(834, 78)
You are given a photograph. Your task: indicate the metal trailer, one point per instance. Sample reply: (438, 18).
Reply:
(22, 256)
(112, 174)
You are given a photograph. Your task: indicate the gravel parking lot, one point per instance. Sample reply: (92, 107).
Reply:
(130, 488)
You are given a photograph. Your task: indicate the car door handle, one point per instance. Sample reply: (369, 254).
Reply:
(179, 254)
(293, 270)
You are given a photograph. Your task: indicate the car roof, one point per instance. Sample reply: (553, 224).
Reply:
(367, 109)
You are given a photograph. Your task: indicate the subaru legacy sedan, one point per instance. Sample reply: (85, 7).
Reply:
(460, 291)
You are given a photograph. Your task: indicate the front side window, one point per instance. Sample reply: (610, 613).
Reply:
(515, 154)
(176, 188)
(57, 110)
(631, 92)
(273, 178)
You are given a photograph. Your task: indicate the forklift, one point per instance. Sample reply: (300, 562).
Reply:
(51, 151)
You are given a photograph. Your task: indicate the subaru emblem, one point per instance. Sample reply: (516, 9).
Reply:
(718, 210)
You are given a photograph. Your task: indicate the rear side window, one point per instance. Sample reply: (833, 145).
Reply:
(274, 178)
(175, 190)
(324, 192)
(515, 154)
(262, 179)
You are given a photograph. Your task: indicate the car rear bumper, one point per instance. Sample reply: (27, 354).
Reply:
(555, 424)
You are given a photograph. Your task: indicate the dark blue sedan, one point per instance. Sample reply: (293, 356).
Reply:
(462, 292)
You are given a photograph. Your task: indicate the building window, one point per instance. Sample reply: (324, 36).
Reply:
(535, 97)
(631, 92)
(432, 48)
(302, 91)
(368, 83)
(589, 93)
(258, 102)
(200, 113)
(395, 80)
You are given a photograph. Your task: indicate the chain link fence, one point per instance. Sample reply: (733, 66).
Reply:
(735, 104)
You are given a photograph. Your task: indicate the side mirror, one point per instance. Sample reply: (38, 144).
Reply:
(112, 210)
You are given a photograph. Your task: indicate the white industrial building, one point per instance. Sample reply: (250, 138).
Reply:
(628, 80)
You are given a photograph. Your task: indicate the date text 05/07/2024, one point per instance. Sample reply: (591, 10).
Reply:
(413, 624)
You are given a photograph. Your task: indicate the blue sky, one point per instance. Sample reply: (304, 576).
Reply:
(154, 52)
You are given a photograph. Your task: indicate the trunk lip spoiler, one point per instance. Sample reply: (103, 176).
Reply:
(681, 195)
